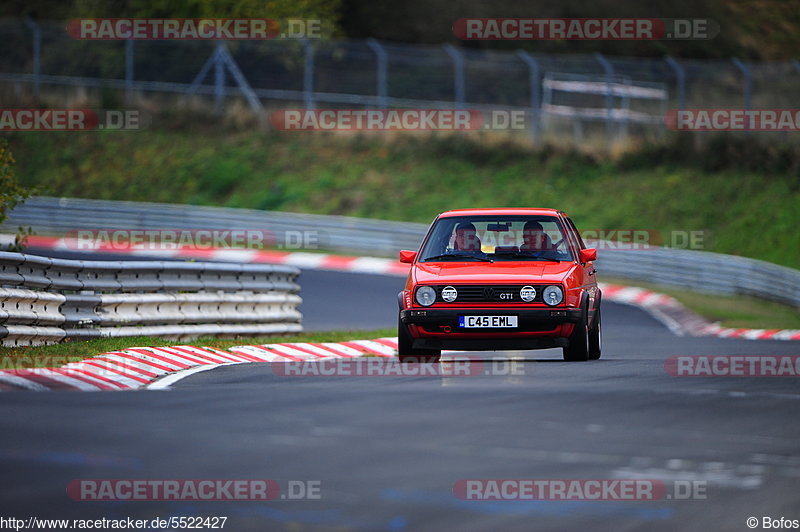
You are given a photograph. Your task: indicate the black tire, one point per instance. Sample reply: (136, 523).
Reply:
(596, 337)
(578, 350)
(408, 354)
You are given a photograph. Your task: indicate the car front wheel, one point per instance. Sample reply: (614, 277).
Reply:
(596, 337)
(408, 354)
(578, 349)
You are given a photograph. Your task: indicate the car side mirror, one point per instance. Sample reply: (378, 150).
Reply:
(588, 254)
(407, 256)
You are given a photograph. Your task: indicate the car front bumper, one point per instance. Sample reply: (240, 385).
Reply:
(541, 327)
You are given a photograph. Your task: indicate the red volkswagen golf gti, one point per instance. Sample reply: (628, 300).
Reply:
(500, 279)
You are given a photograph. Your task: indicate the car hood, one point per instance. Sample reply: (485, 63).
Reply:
(510, 272)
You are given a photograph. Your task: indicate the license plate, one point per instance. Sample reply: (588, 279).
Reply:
(487, 322)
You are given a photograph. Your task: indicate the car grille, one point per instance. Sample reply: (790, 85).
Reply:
(489, 293)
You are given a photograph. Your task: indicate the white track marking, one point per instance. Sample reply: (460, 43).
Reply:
(22, 382)
(320, 350)
(309, 261)
(265, 355)
(165, 382)
(376, 346)
(69, 381)
(293, 352)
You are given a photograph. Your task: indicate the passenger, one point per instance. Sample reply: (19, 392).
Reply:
(467, 238)
(535, 239)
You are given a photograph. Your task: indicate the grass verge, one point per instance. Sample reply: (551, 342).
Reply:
(59, 354)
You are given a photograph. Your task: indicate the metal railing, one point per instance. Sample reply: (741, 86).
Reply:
(703, 271)
(45, 300)
(337, 233)
(700, 271)
(369, 73)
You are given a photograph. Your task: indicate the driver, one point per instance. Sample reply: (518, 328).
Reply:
(534, 238)
(467, 238)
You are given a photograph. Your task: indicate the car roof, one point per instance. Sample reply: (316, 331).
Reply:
(504, 211)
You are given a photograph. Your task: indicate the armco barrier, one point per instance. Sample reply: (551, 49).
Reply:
(44, 300)
(339, 233)
(694, 270)
(702, 271)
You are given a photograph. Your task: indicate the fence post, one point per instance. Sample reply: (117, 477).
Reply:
(680, 75)
(308, 74)
(129, 70)
(748, 88)
(212, 60)
(625, 108)
(37, 53)
(609, 70)
(748, 82)
(459, 81)
(244, 87)
(219, 79)
(382, 72)
(533, 80)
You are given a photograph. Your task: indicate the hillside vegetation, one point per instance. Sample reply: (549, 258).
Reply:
(746, 197)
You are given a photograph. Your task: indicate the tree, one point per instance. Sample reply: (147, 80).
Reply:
(11, 192)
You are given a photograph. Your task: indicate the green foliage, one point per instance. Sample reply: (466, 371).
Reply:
(749, 29)
(11, 192)
(326, 10)
(73, 351)
(743, 194)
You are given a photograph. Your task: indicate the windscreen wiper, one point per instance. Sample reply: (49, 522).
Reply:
(447, 256)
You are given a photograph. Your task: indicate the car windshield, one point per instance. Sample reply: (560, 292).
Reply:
(496, 238)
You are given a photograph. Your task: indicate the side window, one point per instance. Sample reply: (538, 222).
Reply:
(570, 231)
(576, 233)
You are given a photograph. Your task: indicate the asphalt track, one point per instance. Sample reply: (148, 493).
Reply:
(388, 450)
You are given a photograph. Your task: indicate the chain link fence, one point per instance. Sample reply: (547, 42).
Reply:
(40, 56)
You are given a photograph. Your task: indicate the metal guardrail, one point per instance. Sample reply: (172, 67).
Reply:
(694, 270)
(45, 300)
(703, 271)
(343, 234)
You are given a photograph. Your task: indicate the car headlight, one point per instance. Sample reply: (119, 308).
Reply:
(426, 296)
(553, 295)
